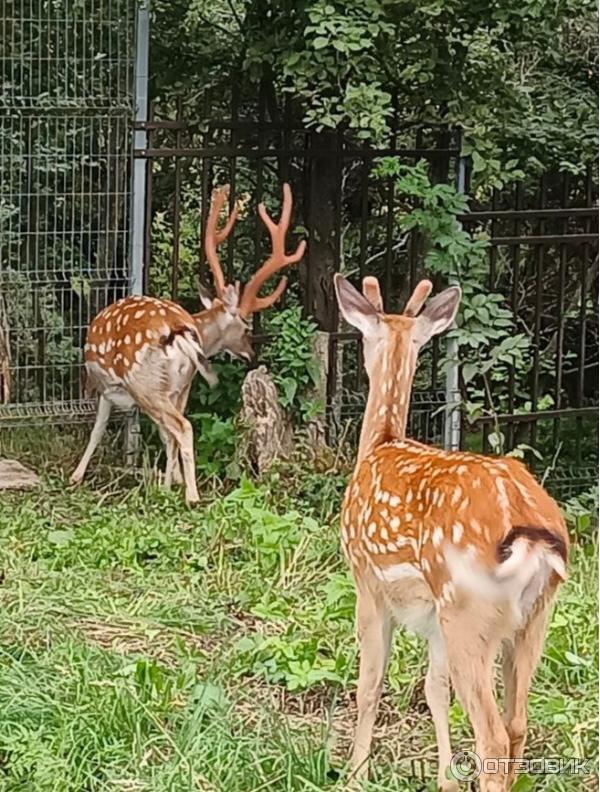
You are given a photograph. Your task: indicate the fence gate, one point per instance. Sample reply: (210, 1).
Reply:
(66, 115)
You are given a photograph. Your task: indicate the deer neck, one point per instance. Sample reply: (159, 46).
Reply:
(390, 385)
(207, 324)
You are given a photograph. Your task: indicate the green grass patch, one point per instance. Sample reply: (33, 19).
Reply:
(146, 646)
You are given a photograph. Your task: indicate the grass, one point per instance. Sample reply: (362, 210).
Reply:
(146, 646)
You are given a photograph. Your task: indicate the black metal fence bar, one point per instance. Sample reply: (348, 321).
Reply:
(254, 153)
(545, 239)
(527, 214)
(532, 417)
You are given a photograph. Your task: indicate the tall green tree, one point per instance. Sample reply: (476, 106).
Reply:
(519, 78)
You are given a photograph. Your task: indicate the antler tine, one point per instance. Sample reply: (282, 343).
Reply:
(372, 292)
(418, 297)
(215, 236)
(278, 259)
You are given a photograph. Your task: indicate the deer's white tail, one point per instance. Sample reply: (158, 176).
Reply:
(186, 342)
(527, 556)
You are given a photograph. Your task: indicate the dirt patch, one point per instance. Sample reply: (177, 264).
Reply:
(404, 738)
(15, 476)
(135, 638)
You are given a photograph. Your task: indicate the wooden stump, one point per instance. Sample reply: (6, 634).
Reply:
(269, 432)
(317, 427)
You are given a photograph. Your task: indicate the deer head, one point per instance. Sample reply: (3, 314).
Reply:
(391, 345)
(231, 309)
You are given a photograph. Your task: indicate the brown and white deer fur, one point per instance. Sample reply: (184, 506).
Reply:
(464, 549)
(144, 351)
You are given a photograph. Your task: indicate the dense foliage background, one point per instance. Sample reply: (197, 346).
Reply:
(519, 82)
(520, 78)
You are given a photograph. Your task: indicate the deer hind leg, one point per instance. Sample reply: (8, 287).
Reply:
(180, 403)
(375, 636)
(437, 695)
(102, 416)
(170, 420)
(173, 471)
(172, 467)
(520, 658)
(473, 634)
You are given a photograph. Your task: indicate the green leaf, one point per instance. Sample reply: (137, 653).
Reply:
(575, 660)
(523, 783)
(61, 538)
(469, 370)
(209, 696)
(290, 388)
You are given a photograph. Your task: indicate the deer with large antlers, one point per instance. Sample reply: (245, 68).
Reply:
(464, 549)
(144, 351)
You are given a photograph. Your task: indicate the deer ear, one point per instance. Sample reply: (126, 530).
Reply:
(355, 308)
(438, 315)
(205, 296)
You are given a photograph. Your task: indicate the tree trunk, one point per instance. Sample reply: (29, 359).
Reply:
(323, 174)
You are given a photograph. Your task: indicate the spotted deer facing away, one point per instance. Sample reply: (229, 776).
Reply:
(144, 351)
(466, 550)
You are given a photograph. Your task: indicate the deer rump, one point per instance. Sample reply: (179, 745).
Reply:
(526, 557)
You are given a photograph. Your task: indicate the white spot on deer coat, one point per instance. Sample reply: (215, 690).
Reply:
(456, 496)
(392, 574)
(457, 532)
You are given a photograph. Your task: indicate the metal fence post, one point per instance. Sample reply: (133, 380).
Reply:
(452, 426)
(138, 190)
